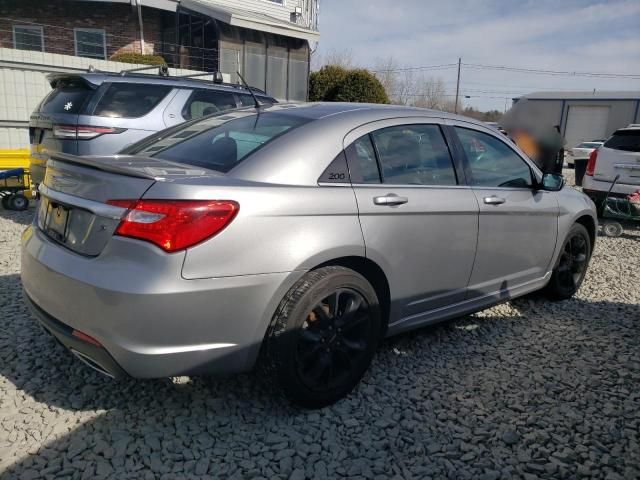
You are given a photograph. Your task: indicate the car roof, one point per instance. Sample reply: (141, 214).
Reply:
(98, 78)
(375, 111)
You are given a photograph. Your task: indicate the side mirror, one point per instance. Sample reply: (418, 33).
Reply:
(552, 182)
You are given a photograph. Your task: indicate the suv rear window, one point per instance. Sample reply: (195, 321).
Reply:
(68, 97)
(130, 100)
(628, 140)
(221, 146)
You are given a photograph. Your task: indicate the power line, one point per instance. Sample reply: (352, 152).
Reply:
(506, 68)
(443, 66)
(539, 71)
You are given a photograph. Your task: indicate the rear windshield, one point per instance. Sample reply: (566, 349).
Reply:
(221, 143)
(588, 145)
(130, 100)
(628, 140)
(68, 97)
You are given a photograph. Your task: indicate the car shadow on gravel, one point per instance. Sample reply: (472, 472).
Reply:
(532, 387)
(25, 217)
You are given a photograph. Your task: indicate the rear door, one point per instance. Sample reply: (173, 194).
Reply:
(418, 222)
(518, 224)
(620, 155)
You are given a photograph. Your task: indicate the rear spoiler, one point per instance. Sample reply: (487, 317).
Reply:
(106, 164)
(55, 78)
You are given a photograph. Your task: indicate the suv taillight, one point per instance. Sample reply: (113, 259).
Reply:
(174, 224)
(73, 132)
(591, 164)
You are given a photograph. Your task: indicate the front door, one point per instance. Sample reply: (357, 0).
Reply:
(418, 224)
(518, 224)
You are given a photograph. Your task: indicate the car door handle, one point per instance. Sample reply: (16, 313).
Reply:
(493, 200)
(390, 199)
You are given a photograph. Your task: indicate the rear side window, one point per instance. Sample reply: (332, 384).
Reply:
(221, 147)
(130, 100)
(69, 96)
(363, 165)
(627, 140)
(414, 155)
(207, 102)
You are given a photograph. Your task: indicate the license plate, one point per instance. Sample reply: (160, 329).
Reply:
(56, 221)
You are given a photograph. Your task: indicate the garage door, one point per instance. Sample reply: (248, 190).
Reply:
(585, 123)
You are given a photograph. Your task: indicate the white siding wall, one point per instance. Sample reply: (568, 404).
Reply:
(22, 87)
(266, 7)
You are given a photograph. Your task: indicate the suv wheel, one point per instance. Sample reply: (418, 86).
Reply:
(323, 336)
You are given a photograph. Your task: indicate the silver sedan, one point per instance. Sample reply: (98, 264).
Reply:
(294, 238)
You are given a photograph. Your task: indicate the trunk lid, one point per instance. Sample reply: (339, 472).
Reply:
(73, 209)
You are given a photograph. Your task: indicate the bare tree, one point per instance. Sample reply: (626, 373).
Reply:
(342, 58)
(430, 93)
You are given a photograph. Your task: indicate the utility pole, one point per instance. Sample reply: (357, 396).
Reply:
(458, 85)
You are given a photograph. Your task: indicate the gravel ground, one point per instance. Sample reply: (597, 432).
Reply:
(528, 389)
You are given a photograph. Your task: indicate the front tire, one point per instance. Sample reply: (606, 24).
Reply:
(323, 336)
(572, 264)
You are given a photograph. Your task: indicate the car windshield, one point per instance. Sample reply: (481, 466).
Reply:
(628, 140)
(222, 142)
(588, 145)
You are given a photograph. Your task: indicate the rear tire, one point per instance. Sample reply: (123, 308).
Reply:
(18, 202)
(572, 264)
(323, 336)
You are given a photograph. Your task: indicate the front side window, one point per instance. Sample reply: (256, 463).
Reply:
(414, 155)
(28, 37)
(221, 143)
(208, 102)
(90, 43)
(130, 100)
(492, 163)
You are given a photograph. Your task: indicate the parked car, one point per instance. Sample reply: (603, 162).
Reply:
(582, 151)
(100, 113)
(294, 237)
(618, 157)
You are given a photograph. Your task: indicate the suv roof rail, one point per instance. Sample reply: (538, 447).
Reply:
(216, 76)
(163, 70)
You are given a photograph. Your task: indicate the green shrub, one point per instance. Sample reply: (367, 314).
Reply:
(336, 84)
(361, 86)
(323, 83)
(131, 57)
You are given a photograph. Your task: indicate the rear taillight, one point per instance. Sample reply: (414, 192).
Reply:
(591, 164)
(174, 224)
(73, 132)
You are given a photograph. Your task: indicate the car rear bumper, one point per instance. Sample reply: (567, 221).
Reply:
(597, 189)
(93, 355)
(150, 321)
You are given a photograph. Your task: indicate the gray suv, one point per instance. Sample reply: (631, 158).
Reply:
(102, 113)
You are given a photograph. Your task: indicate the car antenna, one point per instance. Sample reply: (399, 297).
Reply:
(255, 99)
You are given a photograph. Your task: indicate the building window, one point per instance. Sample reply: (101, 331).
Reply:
(28, 37)
(90, 43)
(277, 59)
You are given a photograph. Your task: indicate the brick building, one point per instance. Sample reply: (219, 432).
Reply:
(267, 41)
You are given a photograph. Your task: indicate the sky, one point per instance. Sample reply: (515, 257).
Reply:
(560, 35)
